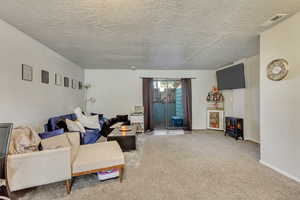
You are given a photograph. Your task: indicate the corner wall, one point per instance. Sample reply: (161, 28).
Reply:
(118, 91)
(32, 103)
(280, 135)
(244, 103)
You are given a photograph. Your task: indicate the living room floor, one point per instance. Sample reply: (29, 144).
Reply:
(203, 165)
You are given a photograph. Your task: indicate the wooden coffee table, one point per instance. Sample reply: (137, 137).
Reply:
(126, 139)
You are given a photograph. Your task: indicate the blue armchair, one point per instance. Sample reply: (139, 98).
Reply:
(90, 137)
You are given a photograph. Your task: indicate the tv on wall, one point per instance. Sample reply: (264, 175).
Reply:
(231, 77)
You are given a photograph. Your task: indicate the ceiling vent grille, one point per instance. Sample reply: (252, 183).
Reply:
(275, 19)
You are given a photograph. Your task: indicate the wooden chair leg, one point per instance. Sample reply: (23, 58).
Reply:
(9, 193)
(121, 173)
(68, 186)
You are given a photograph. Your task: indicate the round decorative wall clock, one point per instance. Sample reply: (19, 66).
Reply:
(277, 69)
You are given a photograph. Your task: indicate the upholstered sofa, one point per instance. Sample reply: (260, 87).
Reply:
(62, 158)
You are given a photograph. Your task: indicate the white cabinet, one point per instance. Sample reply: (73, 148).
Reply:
(215, 119)
(138, 119)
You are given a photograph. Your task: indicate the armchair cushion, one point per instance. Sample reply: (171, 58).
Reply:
(97, 156)
(69, 139)
(38, 168)
(55, 142)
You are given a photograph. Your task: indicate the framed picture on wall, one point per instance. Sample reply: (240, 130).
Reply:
(66, 82)
(215, 119)
(80, 85)
(27, 72)
(73, 83)
(45, 77)
(58, 79)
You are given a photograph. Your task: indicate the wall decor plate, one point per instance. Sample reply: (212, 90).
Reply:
(277, 69)
(27, 72)
(45, 77)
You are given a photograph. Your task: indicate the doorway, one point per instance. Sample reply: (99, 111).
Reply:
(167, 104)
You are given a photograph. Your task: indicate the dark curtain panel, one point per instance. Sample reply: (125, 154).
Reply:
(147, 103)
(186, 84)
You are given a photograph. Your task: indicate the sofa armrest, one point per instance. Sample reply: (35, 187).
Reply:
(38, 168)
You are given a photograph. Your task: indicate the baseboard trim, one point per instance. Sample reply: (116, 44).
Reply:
(279, 171)
(208, 130)
(251, 140)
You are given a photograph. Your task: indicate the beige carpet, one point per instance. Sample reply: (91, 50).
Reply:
(203, 165)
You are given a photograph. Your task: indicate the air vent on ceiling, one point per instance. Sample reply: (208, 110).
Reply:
(275, 19)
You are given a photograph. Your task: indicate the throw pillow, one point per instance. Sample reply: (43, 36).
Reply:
(100, 116)
(51, 133)
(23, 140)
(91, 122)
(112, 121)
(122, 118)
(62, 124)
(87, 121)
(75, 126)
(102, 121)
(106, 130)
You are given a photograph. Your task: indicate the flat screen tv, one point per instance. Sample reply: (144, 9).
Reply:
(231, 77)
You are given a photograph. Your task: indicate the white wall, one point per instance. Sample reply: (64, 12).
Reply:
(244, 103)
(118, 91)
(252, 105)
(32, 103)
(280, 136)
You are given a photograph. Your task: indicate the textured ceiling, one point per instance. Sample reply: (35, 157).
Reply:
(156, 34)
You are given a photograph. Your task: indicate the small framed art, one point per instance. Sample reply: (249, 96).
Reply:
(27, 72)
(73, 83)
(45, 77)
(66, 82)
(58, 79)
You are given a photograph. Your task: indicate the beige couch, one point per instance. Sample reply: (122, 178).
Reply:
(62, 158)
